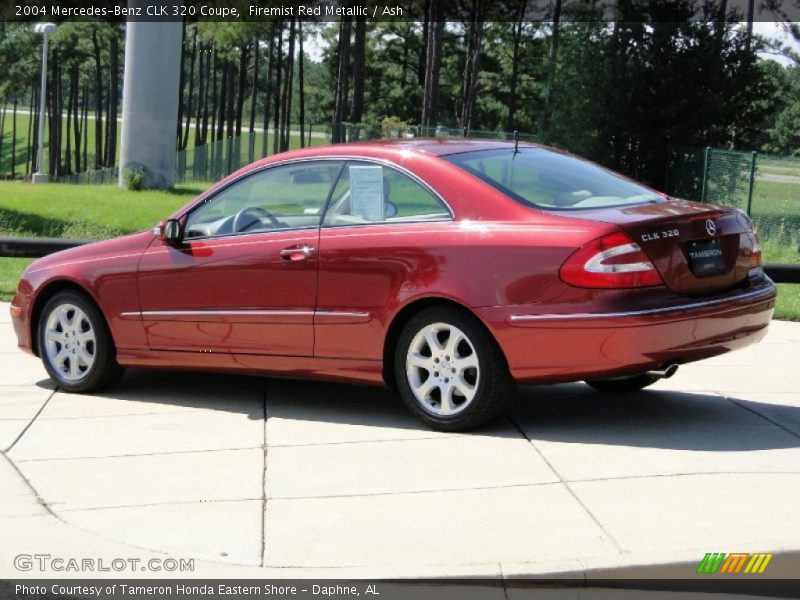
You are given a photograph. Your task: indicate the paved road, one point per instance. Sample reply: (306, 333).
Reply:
(777, 178)
(263, 477)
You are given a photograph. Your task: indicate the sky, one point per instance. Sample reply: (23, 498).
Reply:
(776, 31)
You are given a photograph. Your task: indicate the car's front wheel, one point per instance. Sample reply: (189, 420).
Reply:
(449, 370)
(75, 344)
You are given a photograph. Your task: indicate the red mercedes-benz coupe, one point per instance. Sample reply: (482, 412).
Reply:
(447, 269)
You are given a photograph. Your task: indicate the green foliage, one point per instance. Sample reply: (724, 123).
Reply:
(625, 93)
(134, 179)
(20, 52)
(786, 134)
(392, 127)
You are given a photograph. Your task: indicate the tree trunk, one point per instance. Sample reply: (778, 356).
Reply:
(230, 106)
(68, 134)
(98, 102)
(552, 63)
(54, 143)
(185, 141)
(254, 87)
(433, 53)
(14, 139)
(359, 58)
(3, 129)
(37, 101)
(277, 100)
(202, 105)
(422, 63)
(301, 85)
(286, 118)
(30, 156)
(214, 95)
(52, 137)
(181, 84)
(113, 100)
(343, 75)
(472, 64)
(244, 61)
(511, 121)
(76, 117)
(85, 126)
(223, 96)
(268, 94)
(205, 85)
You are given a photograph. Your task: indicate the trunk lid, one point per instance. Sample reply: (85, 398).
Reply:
(697, 248)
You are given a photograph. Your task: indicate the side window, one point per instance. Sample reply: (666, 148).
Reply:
(370, 193)
(282, 197)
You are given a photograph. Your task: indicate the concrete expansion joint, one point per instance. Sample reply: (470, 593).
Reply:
(22, 476)
(33, 419)
(154, 504)
(758, 414)
(137, 455)
(566, 485)
(262, 559)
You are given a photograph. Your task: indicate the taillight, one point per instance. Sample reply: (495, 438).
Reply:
(755, 252)
(611, 261)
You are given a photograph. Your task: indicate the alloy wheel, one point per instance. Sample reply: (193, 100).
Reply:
(70, 342)
(443, 369)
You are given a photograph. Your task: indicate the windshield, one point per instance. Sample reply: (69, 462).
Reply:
(546, 179)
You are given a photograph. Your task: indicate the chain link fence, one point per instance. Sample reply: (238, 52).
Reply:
(99, 176)
(766, 187)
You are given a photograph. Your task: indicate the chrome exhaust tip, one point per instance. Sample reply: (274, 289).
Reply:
(666, 372)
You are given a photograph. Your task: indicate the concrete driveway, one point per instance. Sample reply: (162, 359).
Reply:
(262, 477)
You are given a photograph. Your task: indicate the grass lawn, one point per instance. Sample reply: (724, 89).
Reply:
(104, 211)
(788, 304)
(71, 211)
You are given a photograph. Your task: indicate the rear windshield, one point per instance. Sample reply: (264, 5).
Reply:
(546, 179)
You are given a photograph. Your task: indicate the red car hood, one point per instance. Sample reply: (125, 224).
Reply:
(134, 243)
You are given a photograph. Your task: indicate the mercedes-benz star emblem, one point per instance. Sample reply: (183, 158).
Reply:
(711, 228)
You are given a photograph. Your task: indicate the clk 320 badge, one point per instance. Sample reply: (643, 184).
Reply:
(660, 235)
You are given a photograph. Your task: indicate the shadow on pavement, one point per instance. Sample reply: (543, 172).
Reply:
(574, 413)
(568, 413)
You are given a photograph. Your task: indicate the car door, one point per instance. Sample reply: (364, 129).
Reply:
(244, 278)
(379, 244)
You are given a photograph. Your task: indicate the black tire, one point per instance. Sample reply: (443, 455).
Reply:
(627, 385)
(104, 369)
(493, 386)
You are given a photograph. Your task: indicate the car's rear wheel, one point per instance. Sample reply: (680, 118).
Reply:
(624, 385)
(449, 370)
(75, 344)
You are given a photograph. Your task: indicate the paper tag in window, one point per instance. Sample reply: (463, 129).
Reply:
(366, 193)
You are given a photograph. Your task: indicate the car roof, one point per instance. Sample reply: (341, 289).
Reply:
(439, 146)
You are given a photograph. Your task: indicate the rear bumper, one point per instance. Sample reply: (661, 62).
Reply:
(554, 347)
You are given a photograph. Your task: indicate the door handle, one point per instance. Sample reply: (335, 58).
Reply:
(295, 253)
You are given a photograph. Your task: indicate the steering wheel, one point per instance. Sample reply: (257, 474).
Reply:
(247, 217)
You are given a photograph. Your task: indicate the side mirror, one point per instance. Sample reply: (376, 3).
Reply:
(171, 231)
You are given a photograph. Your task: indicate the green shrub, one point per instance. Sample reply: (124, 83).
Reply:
(134, 178)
